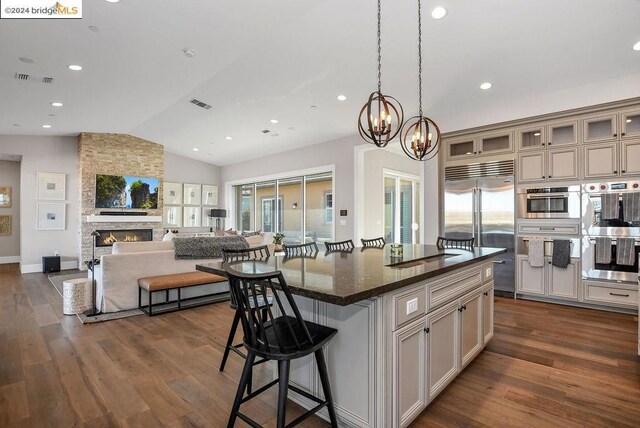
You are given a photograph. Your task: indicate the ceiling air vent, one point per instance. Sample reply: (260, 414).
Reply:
(31, 78)
(200, 104)
(265, 131)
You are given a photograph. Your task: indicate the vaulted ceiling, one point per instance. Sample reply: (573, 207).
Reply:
(258, 60)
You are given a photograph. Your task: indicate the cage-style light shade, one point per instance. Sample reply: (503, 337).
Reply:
(380, 119)
(420, 138)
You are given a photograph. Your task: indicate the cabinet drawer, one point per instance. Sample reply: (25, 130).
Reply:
(609, 294)
(565, 229)
(452, 287)
(409, 306)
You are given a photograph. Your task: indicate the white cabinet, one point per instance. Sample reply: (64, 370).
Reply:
(600, 160)
(560, 163)
(562, 133)
(485, 144)
(600, 127)
(443, 347)
(630, 123)
(487, 313)
(630, 157)
(409, 377)
(548, 280)
(471, 327)
(531, 137)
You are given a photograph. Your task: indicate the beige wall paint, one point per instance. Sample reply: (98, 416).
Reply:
(10, 245)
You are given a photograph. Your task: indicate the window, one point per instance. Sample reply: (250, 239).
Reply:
(401, 208)
(269, 214)
(328, 207)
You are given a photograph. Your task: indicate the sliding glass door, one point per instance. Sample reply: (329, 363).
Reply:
(299, 207)
(401, 208)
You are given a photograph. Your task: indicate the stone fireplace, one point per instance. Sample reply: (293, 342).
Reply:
(115, 154)
(108, 237)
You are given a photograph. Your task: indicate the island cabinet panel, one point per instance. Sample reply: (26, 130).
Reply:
(443, 347)
(563, 282)
(452, 286)
(487, 313)
(409, 377)
(471, 340)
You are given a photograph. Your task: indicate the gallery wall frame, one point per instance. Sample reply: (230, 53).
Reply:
(192, 194)
(50, 186)
(5, 225)
(172, 193)
(5, 197)
(51, 216)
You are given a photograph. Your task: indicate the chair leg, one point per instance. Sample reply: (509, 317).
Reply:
(246, 371)
(283, 376)
(326, 387)
(232, 333)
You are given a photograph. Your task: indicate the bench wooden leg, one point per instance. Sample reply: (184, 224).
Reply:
(179, 301)
(150, 302)
(139, 297)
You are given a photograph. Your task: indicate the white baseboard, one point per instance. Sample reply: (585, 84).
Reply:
(38, 267)
(9, 259)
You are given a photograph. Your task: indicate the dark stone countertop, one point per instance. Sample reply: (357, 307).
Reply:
(343, 278)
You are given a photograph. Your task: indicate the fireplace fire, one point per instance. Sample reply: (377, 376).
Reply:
(108, 237)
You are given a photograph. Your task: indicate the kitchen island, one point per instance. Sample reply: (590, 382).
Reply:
(406, 326)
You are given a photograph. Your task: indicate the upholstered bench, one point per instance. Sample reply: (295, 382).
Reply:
(177, 281)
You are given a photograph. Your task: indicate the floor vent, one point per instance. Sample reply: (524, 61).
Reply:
(200, 104)
(30, 78)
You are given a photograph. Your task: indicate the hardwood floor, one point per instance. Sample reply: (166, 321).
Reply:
(547, 365)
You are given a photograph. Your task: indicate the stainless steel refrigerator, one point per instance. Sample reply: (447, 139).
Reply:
(484, 208)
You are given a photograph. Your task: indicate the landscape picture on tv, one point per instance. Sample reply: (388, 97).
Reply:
(123, 191)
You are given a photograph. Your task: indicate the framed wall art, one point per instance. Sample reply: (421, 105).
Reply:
(173, 216)
(51, 186)
(50, 216)
(172, 193)
(192, 194)
(5, 225)
(191, 217)
(5, 197)
(209, 194)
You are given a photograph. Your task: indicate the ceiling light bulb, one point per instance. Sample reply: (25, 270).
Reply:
(438, 12)
(75, 67)
(228, 138)
(112, 1)
(56, 104)
(195, 149)
(274, 121)
(486, 85)
(46, 126)
(536, 134)
(341, 98)
(628, 120)
(636, 47)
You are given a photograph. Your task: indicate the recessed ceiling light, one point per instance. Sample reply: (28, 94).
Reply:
(274, 120)
(636, 47)
(189, 53)
(16, 124)
(112, 1)
(536, 134)
(56, 104)
(46, 126)
(75, 67)
(486, 85)
(341, 98)
(195, 149)
(228, 138)
(26, 60)
(313, 106)
(93, 28)
(438, 12)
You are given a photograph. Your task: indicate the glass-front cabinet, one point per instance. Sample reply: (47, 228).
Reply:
(531, 137)
(562, 133)
(495, 142)
(630, 124)
(600, 128)
(461, 148)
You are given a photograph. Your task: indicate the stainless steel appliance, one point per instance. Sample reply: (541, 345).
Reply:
(593, 226)
(549, 202)
(483, 208)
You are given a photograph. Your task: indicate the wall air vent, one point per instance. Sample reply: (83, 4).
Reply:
(31, 78)
(200, 104)
(479, 170)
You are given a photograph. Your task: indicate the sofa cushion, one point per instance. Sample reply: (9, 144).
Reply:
(254, 241)
(139, 247)
(205, 247)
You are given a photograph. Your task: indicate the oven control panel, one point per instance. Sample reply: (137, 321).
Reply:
(612, 186)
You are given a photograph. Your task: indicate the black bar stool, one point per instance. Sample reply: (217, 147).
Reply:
(340, 246)
(281, 338)
(375, 242)
(300, 249)
(464, 244)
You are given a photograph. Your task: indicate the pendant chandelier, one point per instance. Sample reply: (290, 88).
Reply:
(420, 136)
(382, 116)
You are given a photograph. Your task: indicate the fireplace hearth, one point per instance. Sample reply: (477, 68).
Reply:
(108, 237)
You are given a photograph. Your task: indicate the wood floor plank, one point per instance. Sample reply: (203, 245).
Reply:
(13, 403)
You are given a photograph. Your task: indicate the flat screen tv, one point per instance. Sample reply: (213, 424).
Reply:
(123, 191)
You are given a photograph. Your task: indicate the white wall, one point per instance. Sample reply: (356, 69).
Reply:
(184, 170)
(339, 153)
(47, 154)
(375, 161)
(10, 245)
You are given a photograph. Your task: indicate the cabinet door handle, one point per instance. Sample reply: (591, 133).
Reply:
(615, 135)
(498, 262)
(426, 330)
(479, 151)
(543, 144)
(486, 293)
(623, 171)
(623, 134)
(619, 295)
(474, 153)
(543, 176)
(615, 172)
(549, 177)
(549, 143)
(461, 308)
(549, 262)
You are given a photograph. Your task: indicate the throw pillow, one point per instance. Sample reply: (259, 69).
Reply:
(204, 247)
(248, 233)
(254, 241)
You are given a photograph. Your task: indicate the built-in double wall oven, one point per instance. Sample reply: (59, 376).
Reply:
(611, 210)
(549, 202)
